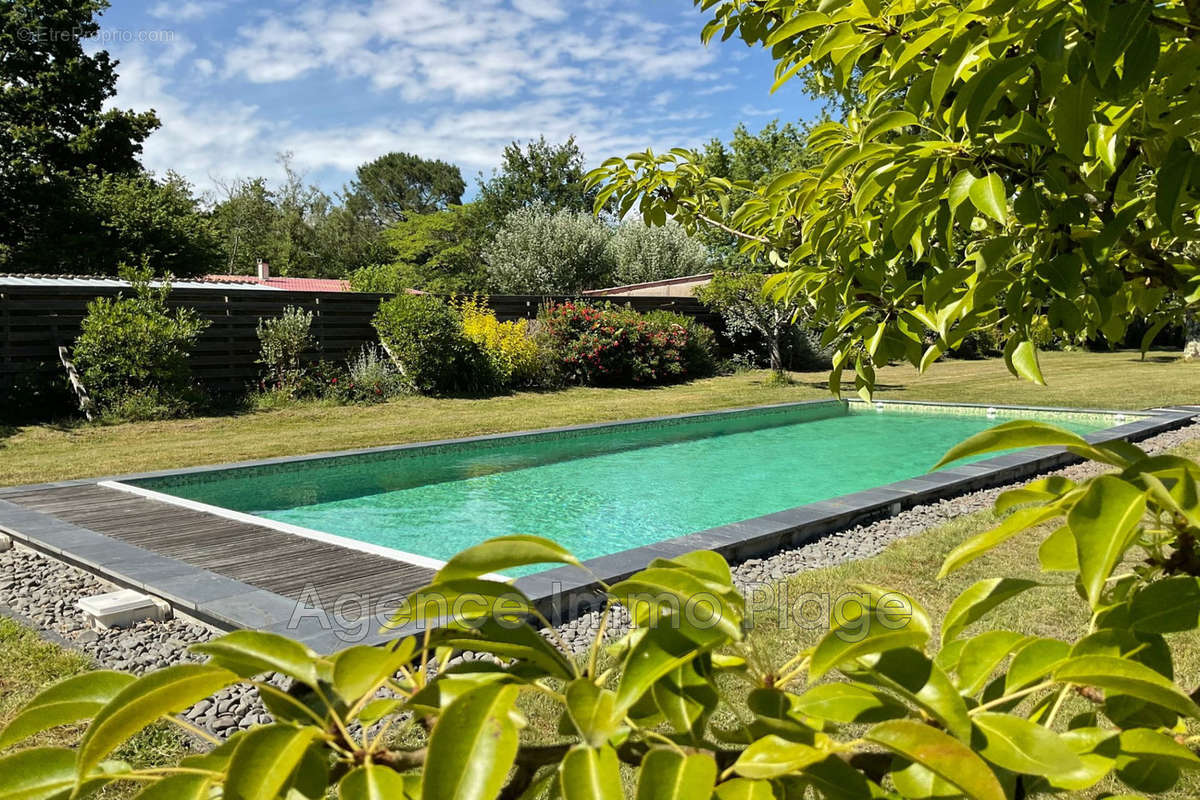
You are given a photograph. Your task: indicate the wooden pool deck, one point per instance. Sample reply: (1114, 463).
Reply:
(208, 565)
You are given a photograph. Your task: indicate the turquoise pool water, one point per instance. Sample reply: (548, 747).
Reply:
(599, 491)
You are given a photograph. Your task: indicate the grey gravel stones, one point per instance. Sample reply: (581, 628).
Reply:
(43, 592)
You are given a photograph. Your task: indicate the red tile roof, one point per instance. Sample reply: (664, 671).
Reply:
(287, 284)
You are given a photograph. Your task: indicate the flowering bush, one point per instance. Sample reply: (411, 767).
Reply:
(606, 345)
(517, 357)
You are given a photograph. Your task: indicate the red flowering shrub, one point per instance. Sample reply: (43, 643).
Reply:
(605, 345)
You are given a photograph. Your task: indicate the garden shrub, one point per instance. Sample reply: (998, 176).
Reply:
(539, 251)
(423, 335)
(890, 702)
(642, 253)
(132, 352)
(518, 358)
(604, 345)
(370, 377)
(284, 341)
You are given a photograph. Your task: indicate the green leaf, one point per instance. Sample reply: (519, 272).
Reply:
(1035, 661)
(1057, 552)
(869, 631)
(989, 196)
(1126, 677)
(508, 641)
(977, 545)
(362, 669)
(1124, 24)
(971, 606)
(590, 774)
(942, 755)
(1170, 605)
(797, 25)
(685, 697)
(655, 654)
(46, 773)
(1023, 361)
(772, 756)
(911, 674)
(700, 610)
(1014, 435)
(592, 710)
(1024, 747)
(373, 782)
(848, 703)
(1104, 521)
(1039, 491)
(250, 653)
(74, 699)
(265, 760)
(504, 552)
(744, 789)
(157, 694)
(981, 655)
(1173, 178)
(1143, 743)
(886, 123)
(459, 601)
(669, 775)
(475, 729)
(1073, 112)
(178, 787)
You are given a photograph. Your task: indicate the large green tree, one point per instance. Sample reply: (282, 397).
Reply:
(435, 252)
(55, 131)
(398, 184)
(541, 173)
(1010, 162)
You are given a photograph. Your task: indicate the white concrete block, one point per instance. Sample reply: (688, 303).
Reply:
(6, 542)
(122, 609)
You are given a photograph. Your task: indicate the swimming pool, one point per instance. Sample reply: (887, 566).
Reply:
(600, 489)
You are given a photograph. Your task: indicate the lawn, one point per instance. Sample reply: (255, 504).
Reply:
(47, 453)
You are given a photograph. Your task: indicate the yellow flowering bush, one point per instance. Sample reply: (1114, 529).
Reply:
(515, 354)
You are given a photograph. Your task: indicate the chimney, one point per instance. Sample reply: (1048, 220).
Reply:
(264, 270)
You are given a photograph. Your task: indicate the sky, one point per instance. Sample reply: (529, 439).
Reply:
(336, 84)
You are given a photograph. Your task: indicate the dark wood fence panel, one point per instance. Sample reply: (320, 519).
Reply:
(35, 320)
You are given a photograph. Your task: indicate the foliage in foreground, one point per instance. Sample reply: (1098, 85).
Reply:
(1003, 161)
(919, 710)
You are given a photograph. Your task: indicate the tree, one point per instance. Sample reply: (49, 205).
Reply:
(246, 220)
(746, 309)
(142, 220)
(398, 184)
(435, 252)
(689, 703)
(55, 130)
(642, 253)
(1034, 159)
(539, 251)
(540, 174)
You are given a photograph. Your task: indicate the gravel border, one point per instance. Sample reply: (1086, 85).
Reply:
(41, 592)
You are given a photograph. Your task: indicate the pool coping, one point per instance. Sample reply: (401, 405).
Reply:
(563, 592)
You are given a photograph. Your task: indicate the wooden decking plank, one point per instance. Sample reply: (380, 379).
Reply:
(270, 559)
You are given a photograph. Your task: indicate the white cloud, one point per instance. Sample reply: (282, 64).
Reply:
(754, 111)
(188, 11)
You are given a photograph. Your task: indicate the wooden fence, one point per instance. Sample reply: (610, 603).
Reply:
(35, 320)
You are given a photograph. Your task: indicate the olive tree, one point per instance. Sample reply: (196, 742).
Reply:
(1001, 162)
(541, 251)
(916, 707)
(642, 253)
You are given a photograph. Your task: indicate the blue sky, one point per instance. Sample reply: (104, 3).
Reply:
(338, 83)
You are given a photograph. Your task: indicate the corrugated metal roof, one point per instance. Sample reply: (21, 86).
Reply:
(103, 282)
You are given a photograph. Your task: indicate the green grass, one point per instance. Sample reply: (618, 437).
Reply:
(29, 664)
(47, 453)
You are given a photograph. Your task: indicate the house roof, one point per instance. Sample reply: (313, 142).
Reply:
(104, 281)
(287, 284)
(701, 278)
